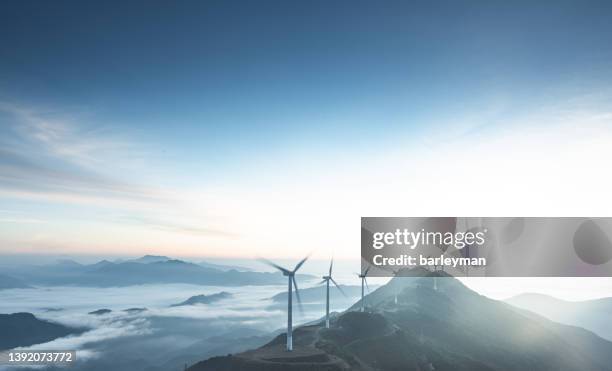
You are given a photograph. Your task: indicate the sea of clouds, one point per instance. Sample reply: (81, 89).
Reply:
(162, 334)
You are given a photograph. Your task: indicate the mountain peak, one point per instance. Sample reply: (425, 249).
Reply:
(204, 299)
(148, 256)
(67, 262)
(147, 259)
(435, 323)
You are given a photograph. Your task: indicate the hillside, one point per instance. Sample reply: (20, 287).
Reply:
(593, 315)
(317, 293)
(8, 282)
(448, 328)
(23, 329)
(204, 299)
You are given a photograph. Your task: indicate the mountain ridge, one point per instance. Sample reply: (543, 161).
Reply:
(204, 299)
(8, 282)
(148, 269)
(592, 315)
(438, 323)
(24, 329)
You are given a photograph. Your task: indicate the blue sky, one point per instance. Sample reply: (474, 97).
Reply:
(203, 127)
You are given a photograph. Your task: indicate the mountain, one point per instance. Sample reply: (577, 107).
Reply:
(67, 263)
(160, 258)
(317, 293)
(593, 315)
(98, 265)
(204, 299)
(224, 267)
(23, 329)
(147, 259)
(211, 346)
(146, 270)
(448, 327)
(100, 312)
(135, 310)
(8, 282)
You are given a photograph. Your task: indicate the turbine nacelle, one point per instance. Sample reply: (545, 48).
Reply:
(364, 274)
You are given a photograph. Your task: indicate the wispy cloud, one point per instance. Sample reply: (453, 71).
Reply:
(21, 172)
(50, 156)
(58, 134)
(107, 330)
(185, 227)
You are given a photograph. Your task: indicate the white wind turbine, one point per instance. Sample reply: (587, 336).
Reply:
(363, 281)
(326, 280)
(395, 288)
(292, 283)
(435, 271)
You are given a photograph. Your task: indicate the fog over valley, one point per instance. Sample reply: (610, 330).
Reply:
(160, 326)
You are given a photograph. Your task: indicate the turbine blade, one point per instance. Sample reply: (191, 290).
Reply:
(331, 266)
(339, 288)
(298, 265)
(272, 264)
(297, 295)
(366, 283)
(366, 271)
(322, 282)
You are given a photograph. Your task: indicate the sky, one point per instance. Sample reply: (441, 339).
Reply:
(242, 129)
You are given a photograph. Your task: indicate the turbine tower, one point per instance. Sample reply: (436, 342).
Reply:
(363, 281)
(396, 289)
(326, 280)
(292, 283)
(435, 274)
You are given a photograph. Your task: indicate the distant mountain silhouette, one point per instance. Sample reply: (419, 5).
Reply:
(147, 259)
(98, 265)
(593, 315)
(67, 263)
(447, 328)
(224, 267)
(317, 294)
(8, 282)
(135, 310)
(100, 312)
(23, 329)
(52, 309)
(150, 259)
(204, 299)
(146, 270)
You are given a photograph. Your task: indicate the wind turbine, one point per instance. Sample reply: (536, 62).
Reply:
(363, 281)
(395, 275)
(326, 280)
(292, 283)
